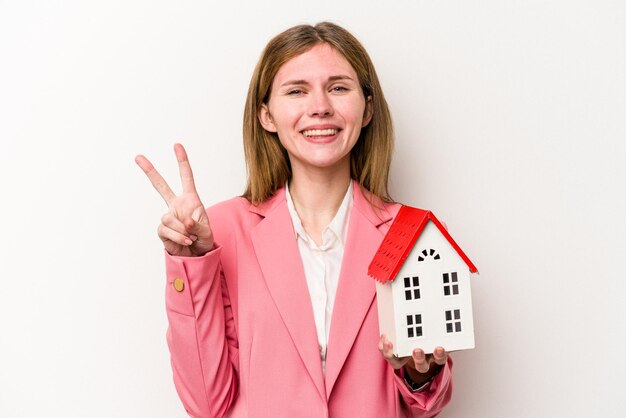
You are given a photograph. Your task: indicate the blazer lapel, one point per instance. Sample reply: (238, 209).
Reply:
(356, 290)
(276, 249)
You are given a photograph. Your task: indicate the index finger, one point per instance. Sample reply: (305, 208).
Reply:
(186, 175)
(158, 182)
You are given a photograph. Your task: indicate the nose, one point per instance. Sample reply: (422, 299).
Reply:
(320, 105)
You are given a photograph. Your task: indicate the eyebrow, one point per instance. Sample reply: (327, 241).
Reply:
(304, 82)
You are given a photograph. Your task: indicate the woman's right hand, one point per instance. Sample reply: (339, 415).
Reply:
(184, 229)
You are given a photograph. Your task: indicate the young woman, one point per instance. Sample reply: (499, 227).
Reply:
(271, 312)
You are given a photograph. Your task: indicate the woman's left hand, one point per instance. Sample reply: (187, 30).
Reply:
(420, 367)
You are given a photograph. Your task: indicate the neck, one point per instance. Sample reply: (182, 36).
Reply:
(317, 197)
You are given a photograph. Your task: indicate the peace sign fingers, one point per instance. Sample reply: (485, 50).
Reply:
(185, 229)
(158, 182)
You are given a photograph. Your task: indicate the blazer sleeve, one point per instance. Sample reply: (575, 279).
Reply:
(201, 335)
(429, 402)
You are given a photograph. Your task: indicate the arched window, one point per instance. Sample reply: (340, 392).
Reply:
(428, 253)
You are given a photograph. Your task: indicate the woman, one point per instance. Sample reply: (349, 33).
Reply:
(270, 308)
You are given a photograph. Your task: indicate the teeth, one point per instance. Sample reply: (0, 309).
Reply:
(319, 132)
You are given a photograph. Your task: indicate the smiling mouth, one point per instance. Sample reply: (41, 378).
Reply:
(319, 132)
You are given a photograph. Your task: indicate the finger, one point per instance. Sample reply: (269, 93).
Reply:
(420, 361)
(386, 349)
(198, 221)
(382, 346)
(201, 235)
(199, 232)
(198, 213)
(167, 234)
(155, 178)
(173, 223)
(198, 229)
(186, 175)
(440, 356)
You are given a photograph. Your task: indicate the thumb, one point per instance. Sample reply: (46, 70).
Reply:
(198, 214)
(201, 235)
(198, 224)
(196, 228)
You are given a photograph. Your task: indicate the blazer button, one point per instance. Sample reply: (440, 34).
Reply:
(178, 284)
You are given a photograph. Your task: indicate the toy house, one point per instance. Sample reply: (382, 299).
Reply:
(423, 286)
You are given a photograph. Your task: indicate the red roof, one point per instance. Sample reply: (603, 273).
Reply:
(400, 239)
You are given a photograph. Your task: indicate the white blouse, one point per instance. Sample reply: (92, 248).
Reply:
(322, 264)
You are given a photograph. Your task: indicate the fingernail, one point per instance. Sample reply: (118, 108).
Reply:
(188, 241)
(193, 237)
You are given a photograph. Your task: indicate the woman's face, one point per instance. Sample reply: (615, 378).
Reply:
(317, 108)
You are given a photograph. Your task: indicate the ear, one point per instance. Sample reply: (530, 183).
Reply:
(266, 119)
(368, 113)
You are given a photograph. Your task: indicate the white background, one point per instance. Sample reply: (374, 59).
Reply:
(510, 121)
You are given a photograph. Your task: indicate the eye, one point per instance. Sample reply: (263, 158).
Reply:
(339, 89)
(294, 92)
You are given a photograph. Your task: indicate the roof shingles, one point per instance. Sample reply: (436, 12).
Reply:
(400, 239)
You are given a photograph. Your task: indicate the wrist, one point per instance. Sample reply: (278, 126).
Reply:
(416, 379)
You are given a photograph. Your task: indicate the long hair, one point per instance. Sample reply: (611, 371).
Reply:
(267, 161)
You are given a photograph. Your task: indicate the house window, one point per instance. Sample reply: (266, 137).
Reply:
(411, 288)
(453, 321)
(428, 253)
(414, 325)
(450, 284)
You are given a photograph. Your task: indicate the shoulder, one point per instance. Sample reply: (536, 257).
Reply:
(378, 211)
(228, 209)
(231, 217)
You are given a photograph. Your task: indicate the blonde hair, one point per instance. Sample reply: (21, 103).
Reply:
(267, 161)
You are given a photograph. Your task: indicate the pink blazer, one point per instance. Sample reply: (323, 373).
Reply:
(242, 336)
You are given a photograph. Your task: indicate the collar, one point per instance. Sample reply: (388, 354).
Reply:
(376, 211)
(338, 226)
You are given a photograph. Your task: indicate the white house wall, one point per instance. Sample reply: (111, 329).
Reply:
(386, 313)
(433, 303)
